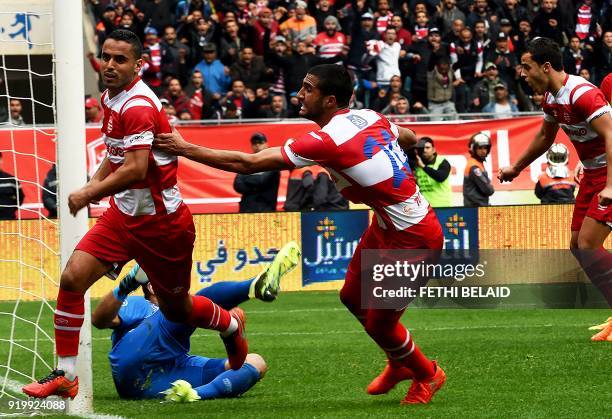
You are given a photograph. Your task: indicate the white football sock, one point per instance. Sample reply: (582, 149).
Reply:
(68, 365)
(233, 326)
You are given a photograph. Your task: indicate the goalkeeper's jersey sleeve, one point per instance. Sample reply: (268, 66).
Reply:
(133, 311)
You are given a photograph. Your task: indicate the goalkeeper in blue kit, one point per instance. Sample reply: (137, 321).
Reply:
(150, 354)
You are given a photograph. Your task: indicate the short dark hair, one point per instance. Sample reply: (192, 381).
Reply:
(426, 140)
(545, 50)
(129, 37)
(334, 80)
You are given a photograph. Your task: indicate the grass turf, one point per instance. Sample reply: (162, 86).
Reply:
(499, 363)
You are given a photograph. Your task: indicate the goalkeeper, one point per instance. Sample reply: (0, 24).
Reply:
(150, 354)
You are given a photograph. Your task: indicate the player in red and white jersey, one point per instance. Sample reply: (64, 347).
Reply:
(331, 42)
(363, 152)
(581, 110)
(147, 221)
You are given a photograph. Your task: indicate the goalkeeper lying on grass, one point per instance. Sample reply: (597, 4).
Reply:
(150, 354)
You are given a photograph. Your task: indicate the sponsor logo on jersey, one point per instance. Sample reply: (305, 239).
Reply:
(358, 121)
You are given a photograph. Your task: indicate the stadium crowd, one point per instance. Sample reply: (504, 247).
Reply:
(231, 59)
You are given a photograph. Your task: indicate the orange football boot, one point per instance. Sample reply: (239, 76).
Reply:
(604, 335)
(388, 379)
(55, 384)
(423, 391)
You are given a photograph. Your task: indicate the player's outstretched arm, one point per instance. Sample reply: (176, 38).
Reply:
(229, 160)
(542, 142)
(602, 125)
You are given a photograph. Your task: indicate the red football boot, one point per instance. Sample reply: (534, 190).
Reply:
(236, 344)
(423, 391)
(387, 379)
(55, 384)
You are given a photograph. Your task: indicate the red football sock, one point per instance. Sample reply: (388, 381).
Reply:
(401, 350)
(597, 264)
(68, 319)
(208, 315)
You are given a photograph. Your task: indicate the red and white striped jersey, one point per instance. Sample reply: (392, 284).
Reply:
(583, 21)
(359, 149)
(131, 120)
(330, 46)
(574, 106)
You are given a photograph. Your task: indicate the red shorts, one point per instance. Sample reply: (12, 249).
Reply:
(587, 200)
(425, 235)
(162, 246)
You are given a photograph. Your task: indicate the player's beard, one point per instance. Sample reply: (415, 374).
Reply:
(312, 112)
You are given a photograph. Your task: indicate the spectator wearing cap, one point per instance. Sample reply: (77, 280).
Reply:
(506, 27)
(93, 111)
(279, 47)
(151, 68)
(11, 194)
(320, 11)
(169, 111)
(231, 43)
(575, 57)
(331, 42)
(301, 27)
(258, 27)
(249, 68)
(176, 97)
(502, 107)
(447, 13)
(362, 32)
(201, 102)
(259, 190)
(505, 61)
(483, 91)
(216, 75)
(440, 83)
(466, 57)
(174, 54)
(548, 22)
(514, 12)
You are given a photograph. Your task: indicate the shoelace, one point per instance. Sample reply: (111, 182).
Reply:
(54, 374)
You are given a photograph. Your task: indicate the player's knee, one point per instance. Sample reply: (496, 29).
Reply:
(258, 362)
(70, 281)
(587, 243)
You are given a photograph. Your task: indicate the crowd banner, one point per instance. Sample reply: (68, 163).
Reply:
(208, 190)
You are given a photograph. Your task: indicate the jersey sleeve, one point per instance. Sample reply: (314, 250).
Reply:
(139, 119)
(133, 311)
(590, 103)
(546, 108)
(308, 150)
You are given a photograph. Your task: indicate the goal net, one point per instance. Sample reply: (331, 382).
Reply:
(43, 159)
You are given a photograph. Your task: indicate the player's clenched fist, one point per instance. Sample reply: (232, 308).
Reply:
(507, 174)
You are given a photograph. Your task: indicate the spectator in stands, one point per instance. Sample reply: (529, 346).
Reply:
(243, 98)
(174, 54)
(159, 13)
(258, 27)
(523, 37)
(331, 42)
(320, 11)
(279, 47)
(202, 105)
(259, 190)
(107, 17)
(311, 189)
(603, 52)
(432, 174)
(205, 31)
(93, 111)
(483, 11)
(49, 192)
(301, 27)
(11, 194)
(15, 109)
(249, 68)
(176, 97)
(548, 22)
(398, 106)
(481, 35)
(455, 34)
(384, 95)
(483, 91)
(151, 68)
(216, 75)
(169, 111)
(388, 53)
(585, 73)
(382, 16)
(586, 19)
(514, 12)
(447, 13)
(477, 186)
(575, 58)
(505, 61)
(231, 43)
(556, 185)
(421, 26)
(404, 37)
(361, 33)
(467, 59)
(440, 84)
(277, 108)
(424, 54)
(502, 107)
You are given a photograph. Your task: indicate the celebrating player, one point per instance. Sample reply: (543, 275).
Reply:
(362, 150)
(581, 110)
(149, 353)
(147, 221)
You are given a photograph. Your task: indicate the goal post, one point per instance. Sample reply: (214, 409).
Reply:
(71, 163)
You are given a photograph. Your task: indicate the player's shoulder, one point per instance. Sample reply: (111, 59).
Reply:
(140, 96)
(579, 87)
(347, 124)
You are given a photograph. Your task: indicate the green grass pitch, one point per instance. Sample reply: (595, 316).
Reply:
(499, 363)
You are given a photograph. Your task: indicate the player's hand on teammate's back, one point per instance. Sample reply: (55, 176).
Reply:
(172, 143)
(605, 196)
(507, 174)
(77, 200)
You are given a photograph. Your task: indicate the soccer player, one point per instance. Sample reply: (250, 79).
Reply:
(149, 352)
(581, 110)
(147, 221)
(363, 151)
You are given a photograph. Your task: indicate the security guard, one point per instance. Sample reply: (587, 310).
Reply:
(556, 185)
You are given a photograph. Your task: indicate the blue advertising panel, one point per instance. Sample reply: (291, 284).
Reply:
(460, 226)
(329, 240)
